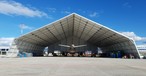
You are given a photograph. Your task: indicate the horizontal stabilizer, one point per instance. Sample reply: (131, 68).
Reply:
(64, 45)
(80, 46)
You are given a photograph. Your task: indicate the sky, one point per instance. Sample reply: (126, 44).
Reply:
(125, 16)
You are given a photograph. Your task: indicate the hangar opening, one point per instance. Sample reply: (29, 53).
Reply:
(74, 34)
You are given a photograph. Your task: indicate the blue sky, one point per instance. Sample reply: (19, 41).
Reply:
(125, 16)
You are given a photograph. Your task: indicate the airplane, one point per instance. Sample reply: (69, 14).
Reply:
(72, 47)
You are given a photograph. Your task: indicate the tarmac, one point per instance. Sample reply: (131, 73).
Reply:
(71, 66)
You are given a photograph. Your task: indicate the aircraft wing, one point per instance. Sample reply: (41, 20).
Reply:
(64, 45)
(79, 46)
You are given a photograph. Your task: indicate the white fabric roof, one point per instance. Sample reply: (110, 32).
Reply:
(83, 28)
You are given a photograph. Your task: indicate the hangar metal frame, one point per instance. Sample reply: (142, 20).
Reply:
(78, 26)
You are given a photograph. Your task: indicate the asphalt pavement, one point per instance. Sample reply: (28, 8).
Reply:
(71, 66)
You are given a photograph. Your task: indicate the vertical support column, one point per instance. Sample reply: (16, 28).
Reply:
(0, 52)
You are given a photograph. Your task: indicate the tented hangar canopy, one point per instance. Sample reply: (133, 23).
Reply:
(74, 26)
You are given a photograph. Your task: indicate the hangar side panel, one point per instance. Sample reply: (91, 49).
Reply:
(20, 46)
(126, 47)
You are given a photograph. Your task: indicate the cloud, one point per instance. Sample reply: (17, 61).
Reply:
(134, 36)
(141, 45)
(66, 12)
(52, 10)
(15, 8)
(127, 5)
(94, 14)
(23, 26)
(6, 42)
